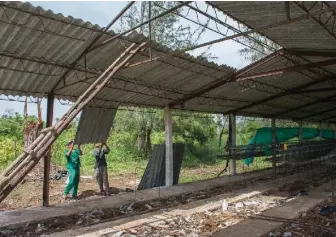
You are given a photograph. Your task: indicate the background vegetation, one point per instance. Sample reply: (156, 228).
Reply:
(204, 136)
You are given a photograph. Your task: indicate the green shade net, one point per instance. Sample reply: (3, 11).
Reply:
(264, 137)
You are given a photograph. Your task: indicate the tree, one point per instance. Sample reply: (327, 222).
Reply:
(170, 32)
(167, 30)
(258, 46)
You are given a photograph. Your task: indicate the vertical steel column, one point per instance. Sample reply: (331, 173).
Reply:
(168, 119)
(47, 157)
(232, 142)
(274, 142)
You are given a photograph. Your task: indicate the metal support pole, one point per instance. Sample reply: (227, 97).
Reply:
(232, 142)
(168, 119)
(274, 142)
(47, 157)
(300, 131)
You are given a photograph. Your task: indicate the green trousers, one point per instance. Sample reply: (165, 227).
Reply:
(73, 182)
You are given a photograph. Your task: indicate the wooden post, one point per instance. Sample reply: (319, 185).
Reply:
(47, 157)
(274, 142)
(232, 142)
(168, 119)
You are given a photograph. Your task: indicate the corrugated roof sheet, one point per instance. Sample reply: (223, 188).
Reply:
(303, 34)
(154, 175)
(94, 125)
(37, 47)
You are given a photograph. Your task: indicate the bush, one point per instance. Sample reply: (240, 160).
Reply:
(7, 150)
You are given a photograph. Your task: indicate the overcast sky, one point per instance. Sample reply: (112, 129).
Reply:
(101, 13)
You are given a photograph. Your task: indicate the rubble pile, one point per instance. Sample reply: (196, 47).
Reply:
(208, 222)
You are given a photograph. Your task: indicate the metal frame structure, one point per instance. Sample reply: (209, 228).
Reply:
(250, 77)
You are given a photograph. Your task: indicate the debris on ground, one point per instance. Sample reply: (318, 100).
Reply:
(287, 234)
(210, 221)
(312, 223)
(225, 205)
(327, 210)
(207, 222)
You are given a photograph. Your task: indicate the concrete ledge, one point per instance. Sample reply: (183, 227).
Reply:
(42, 213)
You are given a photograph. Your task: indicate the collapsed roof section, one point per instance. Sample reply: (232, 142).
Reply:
(37, 47)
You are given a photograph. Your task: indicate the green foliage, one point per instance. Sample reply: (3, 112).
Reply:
(166, 30)
(11, 125)
(7, 150)
(194, 130)
(199, 134)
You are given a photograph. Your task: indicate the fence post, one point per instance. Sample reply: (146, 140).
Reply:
(47, 156)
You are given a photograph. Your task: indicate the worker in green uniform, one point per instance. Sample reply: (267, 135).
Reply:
(73, 165)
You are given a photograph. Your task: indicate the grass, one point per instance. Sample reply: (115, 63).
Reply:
(196, 166)
(192, 169)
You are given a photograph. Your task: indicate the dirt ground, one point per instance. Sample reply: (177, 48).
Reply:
(310, 224)
(206, 223)
(29, 193)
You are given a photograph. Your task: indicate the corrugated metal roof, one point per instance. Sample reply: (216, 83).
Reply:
(303, 34)
(32, 34)
(37, 47)
(94, 125)
(300, 34)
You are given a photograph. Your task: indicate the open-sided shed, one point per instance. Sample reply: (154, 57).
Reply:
(49, 55)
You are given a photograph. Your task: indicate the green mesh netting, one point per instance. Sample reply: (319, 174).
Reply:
(264, 137)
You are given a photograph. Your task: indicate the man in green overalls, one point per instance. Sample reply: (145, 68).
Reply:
(73, 165)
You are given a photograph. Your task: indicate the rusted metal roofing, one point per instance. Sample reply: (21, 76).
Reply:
(38, 46)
